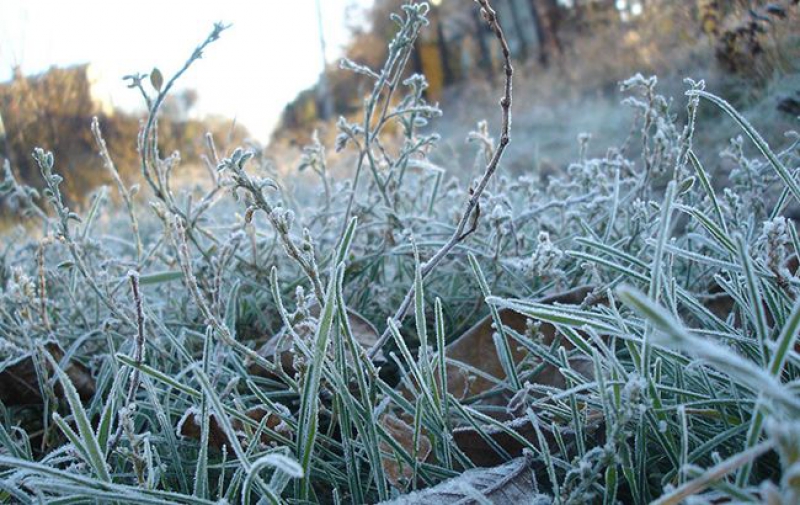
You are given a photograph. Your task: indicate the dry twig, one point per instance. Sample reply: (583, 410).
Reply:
(468, 221)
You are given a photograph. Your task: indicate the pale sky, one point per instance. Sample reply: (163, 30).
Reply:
(270, 53)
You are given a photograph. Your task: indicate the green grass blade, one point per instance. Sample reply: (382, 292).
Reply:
(759, 141)
(96, 460)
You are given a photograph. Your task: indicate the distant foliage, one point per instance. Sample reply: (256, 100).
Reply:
(53, 110)
(589, 45)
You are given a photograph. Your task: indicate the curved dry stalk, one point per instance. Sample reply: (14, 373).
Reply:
(468, 222)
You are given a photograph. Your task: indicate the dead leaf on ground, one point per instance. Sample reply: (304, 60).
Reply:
(398, 472)
(508, 484)
(722, 305)
(476, 348)
(482, 453)
(190, 426)
(19, 382)
(278, 348)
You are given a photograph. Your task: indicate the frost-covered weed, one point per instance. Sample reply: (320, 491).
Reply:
(164, 312)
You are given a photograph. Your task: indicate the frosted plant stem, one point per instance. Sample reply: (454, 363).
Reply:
(469, 219)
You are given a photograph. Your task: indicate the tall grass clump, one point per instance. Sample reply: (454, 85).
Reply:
(239, 345)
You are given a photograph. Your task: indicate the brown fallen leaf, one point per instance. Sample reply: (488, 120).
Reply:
(190, 426)
(721, 304)
(278, 348)
(482, 453)
(476, 349)
(19, 383)
(508, 484)
(398, 472)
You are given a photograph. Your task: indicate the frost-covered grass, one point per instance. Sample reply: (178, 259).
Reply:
(159, 390)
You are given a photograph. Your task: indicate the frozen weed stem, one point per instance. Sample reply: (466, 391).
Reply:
(468, 222)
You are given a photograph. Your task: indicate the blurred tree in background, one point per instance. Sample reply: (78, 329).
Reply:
(53, 110)
(590, 44)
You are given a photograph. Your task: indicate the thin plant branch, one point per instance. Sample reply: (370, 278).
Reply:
(468, 221)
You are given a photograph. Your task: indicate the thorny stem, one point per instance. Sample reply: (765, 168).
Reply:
(472, 207)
